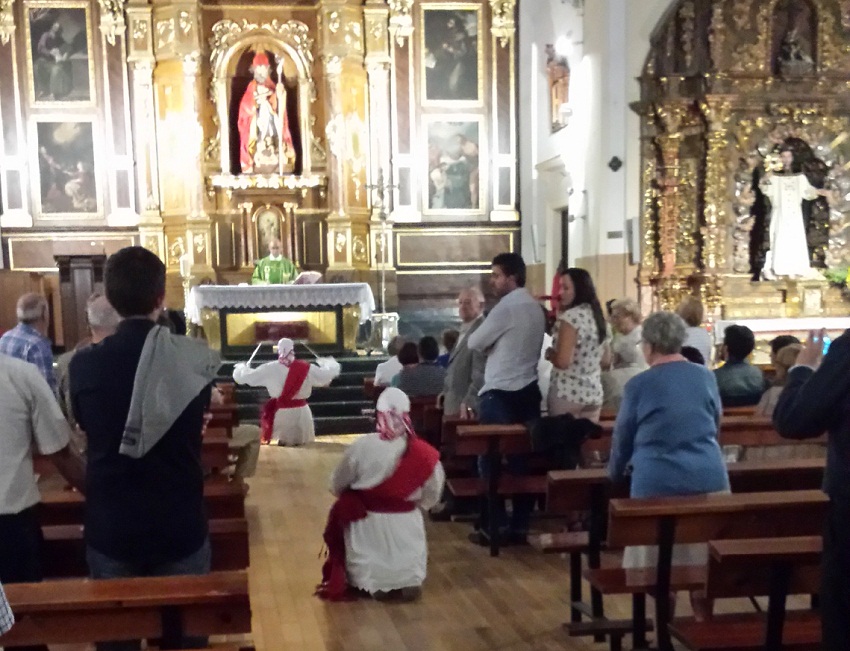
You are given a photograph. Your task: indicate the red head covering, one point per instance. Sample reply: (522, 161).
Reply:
(260, 59)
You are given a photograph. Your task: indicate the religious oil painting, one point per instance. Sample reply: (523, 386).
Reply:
(66, 168)
(453, 165)
(451, 54)
(269, 223)
(61, 70)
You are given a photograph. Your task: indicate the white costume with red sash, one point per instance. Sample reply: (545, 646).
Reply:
(382, 483)
(287, 417)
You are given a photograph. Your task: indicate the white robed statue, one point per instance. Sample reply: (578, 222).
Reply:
(375, 532)
(788, 254)
(287, 417)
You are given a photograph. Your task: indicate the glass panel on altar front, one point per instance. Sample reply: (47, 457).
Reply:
(250, 328)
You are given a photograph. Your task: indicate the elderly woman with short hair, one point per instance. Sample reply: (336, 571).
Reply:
(666, 432)
(626, 355)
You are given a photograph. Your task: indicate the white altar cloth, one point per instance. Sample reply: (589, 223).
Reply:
(267, 297)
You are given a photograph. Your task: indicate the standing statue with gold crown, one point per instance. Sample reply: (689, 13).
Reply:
(287, 418)
(265, 142)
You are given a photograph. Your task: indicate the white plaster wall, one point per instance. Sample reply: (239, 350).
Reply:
(540, 23)
(612, 39)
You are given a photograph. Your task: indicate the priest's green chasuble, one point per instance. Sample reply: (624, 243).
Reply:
(274, 272)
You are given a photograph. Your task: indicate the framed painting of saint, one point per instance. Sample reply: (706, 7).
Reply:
(269, 222)
(61, 70)
(66, 170)
(452, 55)
(454, 178)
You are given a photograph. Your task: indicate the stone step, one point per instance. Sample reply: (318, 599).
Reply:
(342, 408)
(344, 425)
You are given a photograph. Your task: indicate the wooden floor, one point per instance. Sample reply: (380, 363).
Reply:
(516, 602)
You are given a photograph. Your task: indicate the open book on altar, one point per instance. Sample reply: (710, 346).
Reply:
(307, 278)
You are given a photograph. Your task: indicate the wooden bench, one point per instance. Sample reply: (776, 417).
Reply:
(224, 500)
(215, 454)
(64, 551)
(700, 519)
(569, 491)
(75, 611)
(493, 442)
(747, 568)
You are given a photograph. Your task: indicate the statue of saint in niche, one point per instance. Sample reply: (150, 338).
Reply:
(265, 141)
(795, 36)
(787, 188)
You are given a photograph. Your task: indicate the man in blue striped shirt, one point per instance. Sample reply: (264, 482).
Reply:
(28, 340)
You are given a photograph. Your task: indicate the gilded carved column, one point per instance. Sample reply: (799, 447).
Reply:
(378, 65)
(718, 204)
(339, 231)
(141, 60)
(199, 227)
(670, 286)
(376, 16)
(123, 210)
(347, 107)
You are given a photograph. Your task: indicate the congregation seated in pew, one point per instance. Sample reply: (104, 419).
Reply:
(666, 436)
(739, 382)
(420, 374)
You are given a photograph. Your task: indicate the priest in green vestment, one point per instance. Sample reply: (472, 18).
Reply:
(274, 269)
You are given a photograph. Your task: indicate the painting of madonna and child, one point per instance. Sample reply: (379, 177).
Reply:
(453, 166)
(59, 49)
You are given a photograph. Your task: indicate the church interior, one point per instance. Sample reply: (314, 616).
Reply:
(394, 148)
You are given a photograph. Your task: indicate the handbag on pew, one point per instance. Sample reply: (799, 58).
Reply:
(560, 437)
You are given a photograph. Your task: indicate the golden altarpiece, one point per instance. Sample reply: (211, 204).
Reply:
(731, 89)
(374, 138)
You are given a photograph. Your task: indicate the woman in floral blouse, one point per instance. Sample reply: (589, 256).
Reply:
(577, 348)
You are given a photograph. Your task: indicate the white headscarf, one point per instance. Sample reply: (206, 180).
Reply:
(393, 414)
(286, 351)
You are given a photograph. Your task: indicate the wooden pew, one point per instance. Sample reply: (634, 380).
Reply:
(215, 455)
(493, 442)
(432, 425)
(64, 550)
(76, 611)
(758, 567)
(371, 390)
(569, 491)
(224, 500)
(699, 519)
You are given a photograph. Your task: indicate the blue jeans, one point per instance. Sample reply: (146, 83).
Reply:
(105, 567)
(510, 408)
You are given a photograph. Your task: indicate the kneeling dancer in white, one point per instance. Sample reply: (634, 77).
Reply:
(375, 533)
(289, 381)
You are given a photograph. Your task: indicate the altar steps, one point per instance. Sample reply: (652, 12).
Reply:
(337, 409)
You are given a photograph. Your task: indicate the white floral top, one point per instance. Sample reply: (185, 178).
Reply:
(581, 382)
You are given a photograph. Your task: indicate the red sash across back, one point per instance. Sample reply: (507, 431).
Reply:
(390, 496)
(298, 372)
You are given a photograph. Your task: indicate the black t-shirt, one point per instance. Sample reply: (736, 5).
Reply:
(148, 510)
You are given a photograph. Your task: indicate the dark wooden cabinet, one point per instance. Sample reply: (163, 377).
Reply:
(80, 276)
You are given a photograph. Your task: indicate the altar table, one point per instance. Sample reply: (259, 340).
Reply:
(237, 317)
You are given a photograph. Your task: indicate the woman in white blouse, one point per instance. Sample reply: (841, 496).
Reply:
(577, 347)
(626, 358)
(692, 312)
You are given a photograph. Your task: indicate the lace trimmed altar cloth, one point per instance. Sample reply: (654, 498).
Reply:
(267, 297)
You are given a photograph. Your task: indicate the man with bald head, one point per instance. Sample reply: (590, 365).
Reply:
(465, 373)
(274, 269)
(28, 340)
(103, 321)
